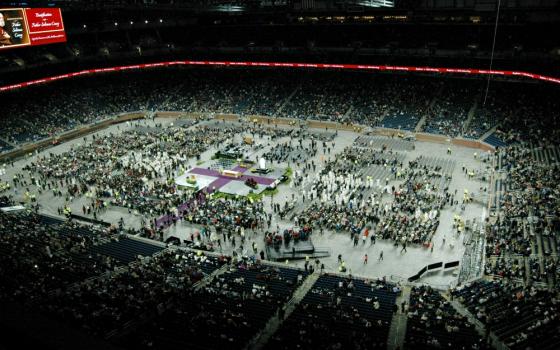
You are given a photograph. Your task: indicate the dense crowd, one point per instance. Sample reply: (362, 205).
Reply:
(55, 270)
(449, 112)
(520, 114)
(511, 268)
(291, 152)
(39, 255)
(529, 206)
(521, 305)
(136, 170)
(87, 101)
(350, 203)
(389, 101)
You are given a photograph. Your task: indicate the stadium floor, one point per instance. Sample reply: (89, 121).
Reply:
(394, 264)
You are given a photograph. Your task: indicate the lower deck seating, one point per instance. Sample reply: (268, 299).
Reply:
(400, 120)
(340, 313)
(126, 250)
(495, 141)
(434, 323)
(108, 304)
(49, 220)
(225, 314)
(40, 254)
(521, 317)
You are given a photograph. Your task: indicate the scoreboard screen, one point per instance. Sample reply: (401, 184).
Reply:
(21, 27)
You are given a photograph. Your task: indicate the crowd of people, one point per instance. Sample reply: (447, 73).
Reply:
(346, 202)
(356, 98)
(528, 219)
(340, 313)
(521, 305)
(520, 316)
(39, 256)
(136, 170)
(226, 312)
(55, 270)
(147, 287)
(511, 268)
(89, 100)
(449, 112)
(519, 113)
(291, 152)
(434, 323)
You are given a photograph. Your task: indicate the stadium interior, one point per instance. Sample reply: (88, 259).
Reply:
(280, 174)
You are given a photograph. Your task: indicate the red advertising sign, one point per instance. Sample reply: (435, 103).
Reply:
(30, 26)
(45, 26)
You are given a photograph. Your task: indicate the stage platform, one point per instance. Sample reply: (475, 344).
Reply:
(303, 249)
(215, 180)
(239, 188)
(202, 181)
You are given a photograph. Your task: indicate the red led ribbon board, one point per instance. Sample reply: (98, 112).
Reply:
(30, 26)
(468, 71)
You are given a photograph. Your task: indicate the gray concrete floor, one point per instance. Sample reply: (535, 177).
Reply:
(395, 265)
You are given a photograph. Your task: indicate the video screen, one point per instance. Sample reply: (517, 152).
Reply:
(30, 26)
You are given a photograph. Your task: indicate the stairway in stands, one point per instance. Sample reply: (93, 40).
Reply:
(488, 133)
(285, 102)
(479, 326)
(261, 339)
(422, 121)
(397, 331)
(470, 116)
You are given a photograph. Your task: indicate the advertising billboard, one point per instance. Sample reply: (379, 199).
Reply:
(30, 26)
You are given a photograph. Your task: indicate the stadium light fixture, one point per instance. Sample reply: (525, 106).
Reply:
(229, 8)
(376, 3)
